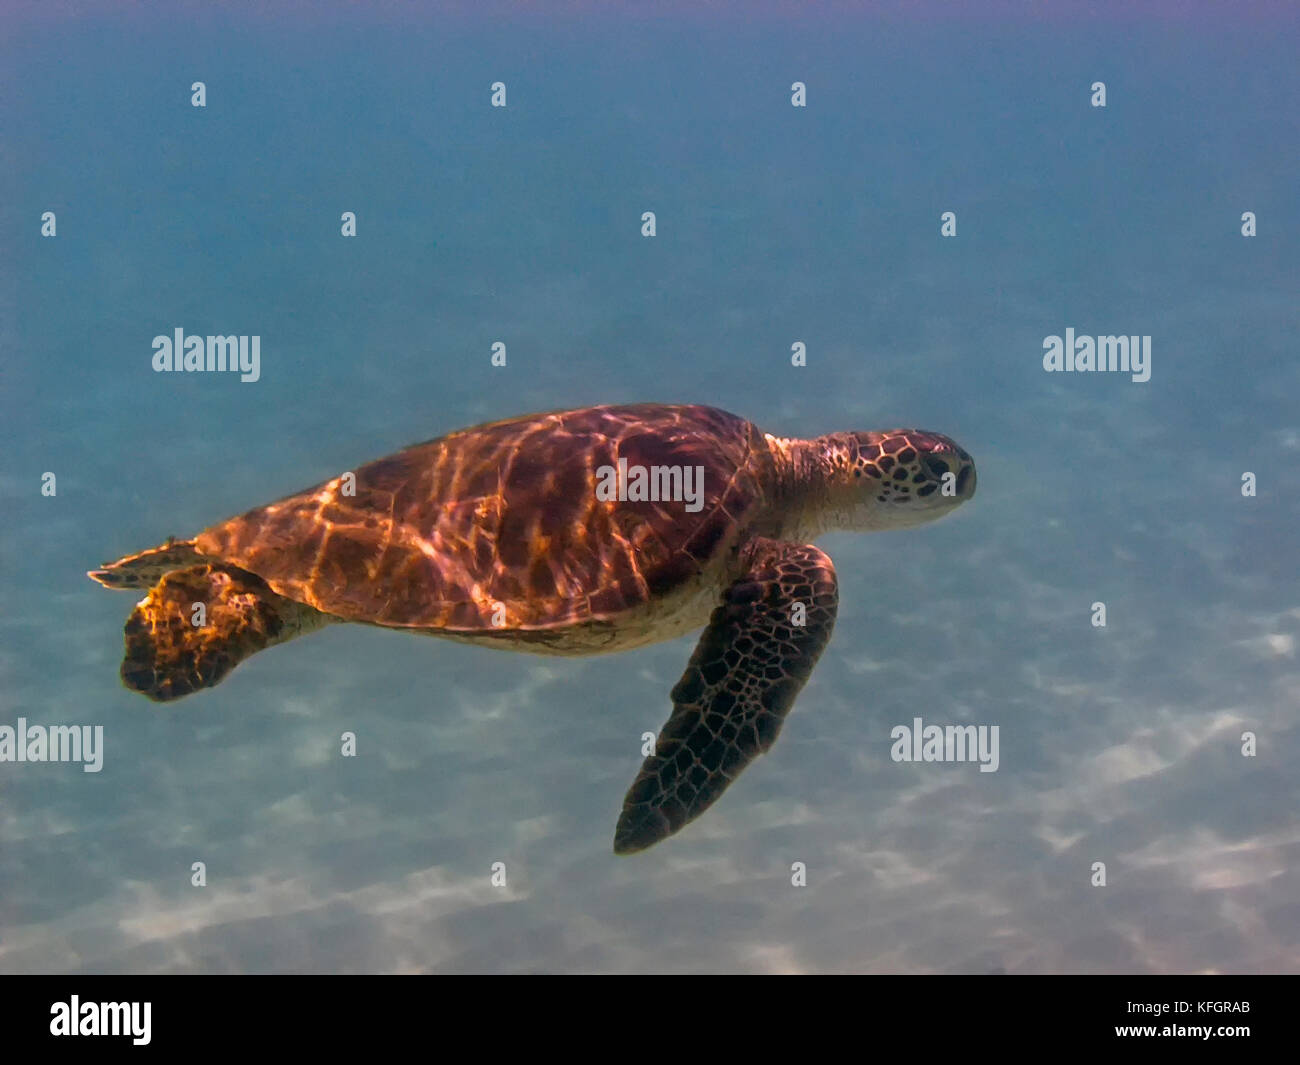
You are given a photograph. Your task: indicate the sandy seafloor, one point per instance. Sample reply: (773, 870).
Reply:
(1120, 745)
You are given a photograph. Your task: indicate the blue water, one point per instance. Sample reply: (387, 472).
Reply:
(1120, 745)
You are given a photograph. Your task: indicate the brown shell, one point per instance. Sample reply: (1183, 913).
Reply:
(444, 534)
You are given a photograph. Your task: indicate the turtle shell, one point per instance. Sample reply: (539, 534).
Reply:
(500, 526)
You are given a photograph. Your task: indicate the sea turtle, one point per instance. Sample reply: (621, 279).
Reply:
(568, 533)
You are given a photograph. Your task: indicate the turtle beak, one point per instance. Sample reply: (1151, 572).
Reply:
(960, 464)
(966, 478)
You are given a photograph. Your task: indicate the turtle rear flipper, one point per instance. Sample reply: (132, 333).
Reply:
(197, 624)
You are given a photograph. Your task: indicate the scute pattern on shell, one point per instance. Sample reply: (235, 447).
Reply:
(504, 518)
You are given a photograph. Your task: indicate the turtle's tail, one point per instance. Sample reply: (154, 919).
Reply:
(197, 624)
(143, 569)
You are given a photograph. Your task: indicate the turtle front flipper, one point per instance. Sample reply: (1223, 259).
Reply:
(741, 682)
(197, 624)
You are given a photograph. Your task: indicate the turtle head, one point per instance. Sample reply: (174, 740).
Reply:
(895, 478)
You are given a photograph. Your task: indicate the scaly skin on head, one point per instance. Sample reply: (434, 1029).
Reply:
(869, 481)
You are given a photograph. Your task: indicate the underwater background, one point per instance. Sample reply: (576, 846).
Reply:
(776, 224)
